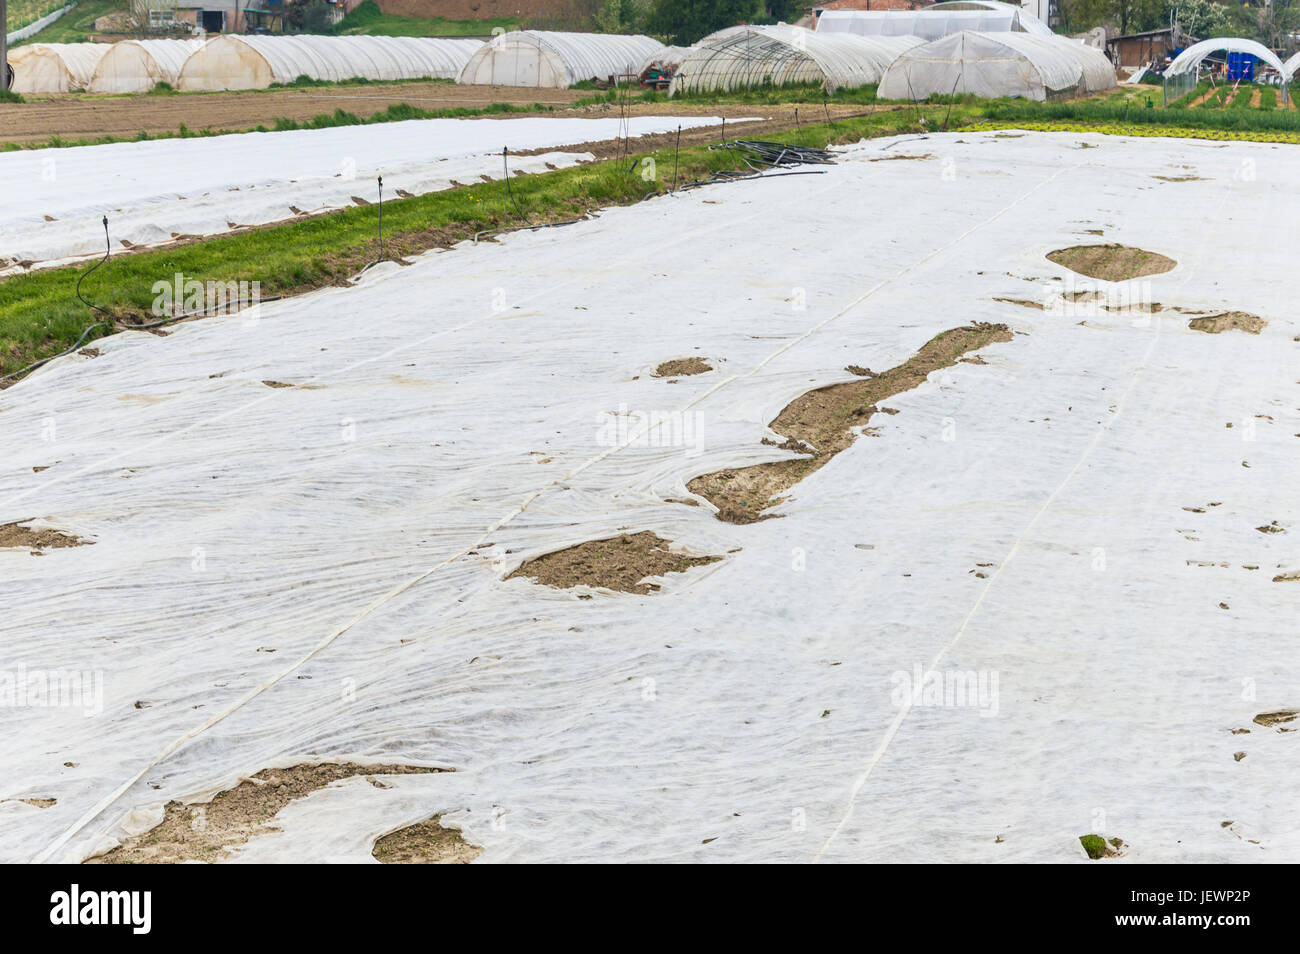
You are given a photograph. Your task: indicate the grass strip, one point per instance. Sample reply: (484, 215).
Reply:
(40, 314)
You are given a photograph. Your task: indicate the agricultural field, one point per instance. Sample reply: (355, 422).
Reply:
(23, 12)
(367, 19)
(399, 471)
(77, 24)
(638, 493)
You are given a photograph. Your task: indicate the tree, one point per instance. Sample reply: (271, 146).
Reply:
(619, 16)
(685, 21)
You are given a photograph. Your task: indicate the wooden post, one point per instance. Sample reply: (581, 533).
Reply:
(4, 45)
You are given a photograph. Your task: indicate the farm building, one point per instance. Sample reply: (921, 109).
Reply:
(930, 23)
(998, 64)
(558, 60)
(255, 62)
(136, 66)
(741, 57)
(54, 67)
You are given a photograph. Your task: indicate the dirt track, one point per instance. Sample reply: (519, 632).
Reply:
(79, 116)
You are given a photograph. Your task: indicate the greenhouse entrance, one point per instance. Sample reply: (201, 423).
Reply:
(212, 21)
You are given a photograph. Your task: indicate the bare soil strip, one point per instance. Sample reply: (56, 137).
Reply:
(203, 832)
(1228, 321)
(820, 424)
(1111, 263)
(12, 535)
(618, 563)
(1278, 717)
(425, 843)
(682, 367)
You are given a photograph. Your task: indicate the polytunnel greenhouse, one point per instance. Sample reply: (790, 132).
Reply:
(255, 62)
(558, 60)
(54, 67)
(998, 64)
(744, 57)
(931, 23)
(136, 66)
(1181, 76)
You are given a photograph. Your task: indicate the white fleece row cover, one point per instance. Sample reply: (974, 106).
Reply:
(156, 191)
(1070, 520)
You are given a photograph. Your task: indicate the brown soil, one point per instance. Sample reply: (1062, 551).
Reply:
(1022, 302)
(896, 158)
(1228, 321)
(618, 563)
(681, 367)
(1180, 178)
(12, 535)
(1273, 527)
(1278, 717)
(85, 116)
(202, 831)
(1203, 97)
(34, 802)
(820, 424)
(425, 843)
(1111, 263)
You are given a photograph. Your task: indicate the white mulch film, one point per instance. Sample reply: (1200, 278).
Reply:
(151, 193)
(467, 400)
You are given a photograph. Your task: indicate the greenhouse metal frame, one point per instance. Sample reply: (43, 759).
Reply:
(754, 56)
(1183, 74)
(543, 59)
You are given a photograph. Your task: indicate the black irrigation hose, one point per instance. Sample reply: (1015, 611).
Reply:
(108, 248)
(505, 162)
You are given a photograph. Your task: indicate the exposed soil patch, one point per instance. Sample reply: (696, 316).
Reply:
(1180, 178)
(680, 367)
(1111, 263)
(425, 843)
(618, 563)
(1023, 303)
(202, 832)
(34, 802)
(12, 535)
(1228, 321)
(926, 155)
(1278, 717)
(820, 424)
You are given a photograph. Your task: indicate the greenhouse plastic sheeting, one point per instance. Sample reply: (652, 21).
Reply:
(540, 58)
(156, 191)
(924, 24)
(1025, 518)
(255, 62)
(136, 66)
(54, 67)
(997, 64)
(742, 57)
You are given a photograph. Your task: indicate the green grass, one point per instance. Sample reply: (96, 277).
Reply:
(1244, 120)
(77, 24)
(23, 12)
(40, 314)
(759, 96)
(368, 19)
(1268, 98)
